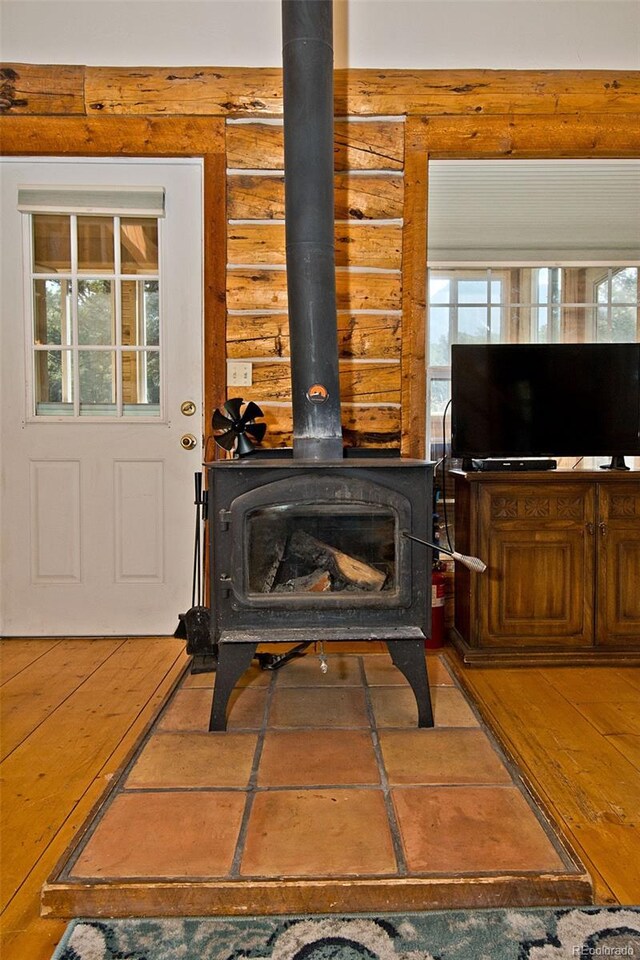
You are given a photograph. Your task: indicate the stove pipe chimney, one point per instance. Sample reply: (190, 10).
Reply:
(307, 28)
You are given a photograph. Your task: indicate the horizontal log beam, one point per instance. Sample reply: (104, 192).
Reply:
(37, 89)
(111, 136)
(360, 336)
(532, 137)
(365, 197)
(356, 244)
(359, 383)
(255, 289)
(364, 145)
(251, 91)
(377, 426)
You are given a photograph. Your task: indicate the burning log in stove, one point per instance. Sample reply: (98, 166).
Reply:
(324, 567)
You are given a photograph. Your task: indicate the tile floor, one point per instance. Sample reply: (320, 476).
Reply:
(318, 776)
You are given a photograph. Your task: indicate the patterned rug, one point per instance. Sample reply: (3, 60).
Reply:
(520, 934)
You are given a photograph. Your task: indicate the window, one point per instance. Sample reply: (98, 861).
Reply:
(522, 305)
(95, 307)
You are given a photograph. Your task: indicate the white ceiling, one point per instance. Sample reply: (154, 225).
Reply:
(534, 210)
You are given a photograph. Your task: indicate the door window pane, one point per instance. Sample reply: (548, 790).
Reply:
(53, 373)
(140, 380)
(140, 313)
(51, 244)
(139, 245)
(96, 321)
(51, 313)
(95, 245)
(97, 381)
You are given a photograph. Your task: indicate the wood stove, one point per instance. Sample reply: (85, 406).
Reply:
(311, 546)
(315, 551)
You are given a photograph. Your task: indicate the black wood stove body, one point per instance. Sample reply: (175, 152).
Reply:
(315, 551)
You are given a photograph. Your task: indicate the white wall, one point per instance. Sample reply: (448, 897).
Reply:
(507, 34)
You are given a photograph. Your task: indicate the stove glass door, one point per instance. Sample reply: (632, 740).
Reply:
(322, 551)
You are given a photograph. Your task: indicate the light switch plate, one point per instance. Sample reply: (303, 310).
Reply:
(239, 373)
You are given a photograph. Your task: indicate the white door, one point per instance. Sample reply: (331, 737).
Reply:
(101, 343)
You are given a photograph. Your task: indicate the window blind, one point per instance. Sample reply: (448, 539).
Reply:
(113, 201)
(534, 211)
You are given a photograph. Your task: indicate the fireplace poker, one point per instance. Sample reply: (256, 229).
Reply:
(473, 563)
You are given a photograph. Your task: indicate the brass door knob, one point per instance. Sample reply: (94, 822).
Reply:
(188, 407)
(188, 441)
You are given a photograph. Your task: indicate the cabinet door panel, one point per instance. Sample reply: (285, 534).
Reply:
(619, 564)
(538, 544)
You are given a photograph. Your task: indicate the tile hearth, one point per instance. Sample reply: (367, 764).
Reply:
(322, 795)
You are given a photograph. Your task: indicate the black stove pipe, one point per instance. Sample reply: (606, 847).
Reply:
(307, 33)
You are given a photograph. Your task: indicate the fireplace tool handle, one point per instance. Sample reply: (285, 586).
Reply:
(473, 563)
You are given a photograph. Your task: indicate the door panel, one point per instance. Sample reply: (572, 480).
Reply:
(97, 515)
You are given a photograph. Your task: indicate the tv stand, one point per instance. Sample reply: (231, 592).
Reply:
(617, 463)
(563, 565)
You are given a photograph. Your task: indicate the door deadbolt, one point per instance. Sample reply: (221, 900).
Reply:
(188, 441)
(188, 407)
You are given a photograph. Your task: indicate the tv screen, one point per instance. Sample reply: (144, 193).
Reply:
(541, 400)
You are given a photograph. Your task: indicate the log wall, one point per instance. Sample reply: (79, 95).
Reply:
(369, 207)
(396, 121)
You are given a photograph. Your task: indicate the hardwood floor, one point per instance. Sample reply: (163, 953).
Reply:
(575, 734)
(73, 709)
(71, 712)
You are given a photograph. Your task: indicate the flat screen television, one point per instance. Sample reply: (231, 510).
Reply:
(545, 400)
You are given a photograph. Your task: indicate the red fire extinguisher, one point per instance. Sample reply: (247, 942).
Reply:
(438, 581)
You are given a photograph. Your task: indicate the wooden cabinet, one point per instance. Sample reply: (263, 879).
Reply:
(563, 556)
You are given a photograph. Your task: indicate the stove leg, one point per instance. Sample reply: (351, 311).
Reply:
(233, 660)
(409, 658)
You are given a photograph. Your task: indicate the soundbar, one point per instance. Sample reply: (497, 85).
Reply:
(516, 463)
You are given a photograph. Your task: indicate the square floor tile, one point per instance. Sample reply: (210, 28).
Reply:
(318, 707)
(318, 833)
(194, 760)
(443, 755)
(307, 757)
(178, 834)
(305, 671)
(190, 709)
(396, 707)
(471, 829)
(381, 671)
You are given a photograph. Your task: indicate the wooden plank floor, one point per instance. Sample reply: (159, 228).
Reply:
(575, 734)
(71, 712)
(73, 709)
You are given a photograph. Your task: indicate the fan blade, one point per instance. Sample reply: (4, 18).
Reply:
(226, 440)
(251, 411)
(256, 430)
(219, 421)
(232, 407)
(244, 445)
